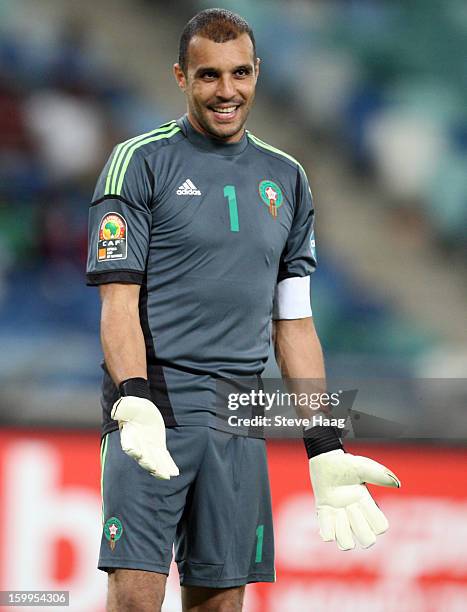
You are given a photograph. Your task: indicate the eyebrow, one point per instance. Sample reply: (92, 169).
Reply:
(202, 69)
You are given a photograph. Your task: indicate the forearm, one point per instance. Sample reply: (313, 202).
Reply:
(298, 350)
(300, 357)
(122, 339)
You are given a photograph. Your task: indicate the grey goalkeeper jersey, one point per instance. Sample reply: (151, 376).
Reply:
(207, 229)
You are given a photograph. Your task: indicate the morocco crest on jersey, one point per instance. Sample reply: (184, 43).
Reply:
(271, 195)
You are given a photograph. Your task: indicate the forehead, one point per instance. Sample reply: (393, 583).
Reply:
(205, 52)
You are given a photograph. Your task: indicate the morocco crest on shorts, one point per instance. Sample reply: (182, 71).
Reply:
(271, 195)
(113, 530)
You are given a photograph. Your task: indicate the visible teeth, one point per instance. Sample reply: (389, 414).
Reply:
(231, 109)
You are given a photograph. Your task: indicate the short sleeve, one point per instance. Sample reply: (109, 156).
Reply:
(299, 255)
(120, 220)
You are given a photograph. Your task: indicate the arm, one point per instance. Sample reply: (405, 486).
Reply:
(344, 505)
(118, 242)
(121, 334)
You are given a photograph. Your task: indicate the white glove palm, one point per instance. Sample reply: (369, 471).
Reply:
(344, 505)
(142, 435)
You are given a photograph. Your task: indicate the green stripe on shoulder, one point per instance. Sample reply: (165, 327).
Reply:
(119, 155)
(129, 153)
(269, 147)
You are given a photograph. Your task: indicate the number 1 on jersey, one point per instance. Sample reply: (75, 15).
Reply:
(230, 194)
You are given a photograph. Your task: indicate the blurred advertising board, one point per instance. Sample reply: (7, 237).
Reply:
(50, 530)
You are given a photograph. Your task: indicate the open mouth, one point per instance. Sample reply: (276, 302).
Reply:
(225, 113)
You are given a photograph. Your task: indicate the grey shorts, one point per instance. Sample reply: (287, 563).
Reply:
(217, 512)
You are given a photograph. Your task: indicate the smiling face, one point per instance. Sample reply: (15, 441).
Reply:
(219, 85)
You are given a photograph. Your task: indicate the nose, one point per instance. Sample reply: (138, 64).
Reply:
(226, 88)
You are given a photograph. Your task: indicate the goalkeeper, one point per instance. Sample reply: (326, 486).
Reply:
(199, 234)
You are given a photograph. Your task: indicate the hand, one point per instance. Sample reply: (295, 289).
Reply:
(344, 505)
(142, 435)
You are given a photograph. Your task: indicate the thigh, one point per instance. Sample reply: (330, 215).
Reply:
(140, 512)
(225, 538)
(203, 599)
(130, 590)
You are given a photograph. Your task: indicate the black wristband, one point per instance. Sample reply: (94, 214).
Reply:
(320, 440)
(137, 387)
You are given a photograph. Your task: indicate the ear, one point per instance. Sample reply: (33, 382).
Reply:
(257, 63)
(179, 76)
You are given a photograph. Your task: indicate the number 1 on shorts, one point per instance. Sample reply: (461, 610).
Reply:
(259, 543)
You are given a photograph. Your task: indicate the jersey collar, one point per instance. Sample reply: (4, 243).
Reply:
(211, 144)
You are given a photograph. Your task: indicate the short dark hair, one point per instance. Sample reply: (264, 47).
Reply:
(218, 25)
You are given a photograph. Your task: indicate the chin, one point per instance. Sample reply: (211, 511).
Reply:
(225, 131)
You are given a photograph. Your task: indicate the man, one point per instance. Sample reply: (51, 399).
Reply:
(198, 231)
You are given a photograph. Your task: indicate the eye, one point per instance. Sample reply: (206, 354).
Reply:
(209, 75)
(242, 72)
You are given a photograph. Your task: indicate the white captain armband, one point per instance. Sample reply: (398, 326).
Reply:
(292, 298)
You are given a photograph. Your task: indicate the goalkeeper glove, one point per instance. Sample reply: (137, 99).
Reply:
(344, 505)
(142, 429)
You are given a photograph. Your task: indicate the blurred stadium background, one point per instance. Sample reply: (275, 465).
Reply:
(370, 95)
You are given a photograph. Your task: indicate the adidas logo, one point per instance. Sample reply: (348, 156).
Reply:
(188, 189)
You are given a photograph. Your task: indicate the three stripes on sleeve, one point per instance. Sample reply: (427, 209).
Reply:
(124, 152)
